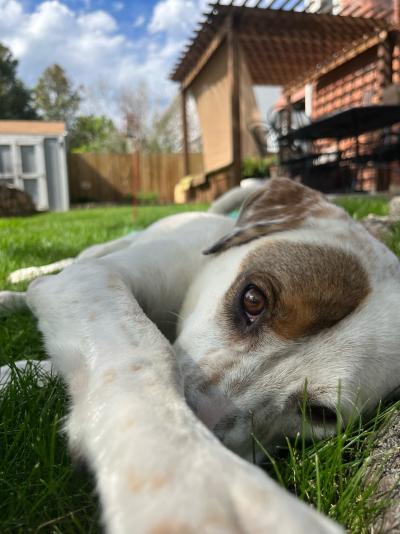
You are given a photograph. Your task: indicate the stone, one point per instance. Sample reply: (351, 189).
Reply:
(14, 202)
(385, 465)
(378, 226)
(394, 207)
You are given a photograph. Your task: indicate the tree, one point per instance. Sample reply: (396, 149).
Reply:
(135, 107)
(15, 98)
(55, 97)
(95, 134)
(165, 134)
(165, 129)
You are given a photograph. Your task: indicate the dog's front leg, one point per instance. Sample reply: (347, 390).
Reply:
(158, 469)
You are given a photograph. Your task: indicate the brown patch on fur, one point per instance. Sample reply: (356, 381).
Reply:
(128, 423)
(109, 376)
(135, 367)
(309, 288)
(159, 481)
(137, 483)
(284, 198)
(171, 526)
(281, 205)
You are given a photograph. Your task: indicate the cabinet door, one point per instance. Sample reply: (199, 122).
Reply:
(8, 171)
(32, 172)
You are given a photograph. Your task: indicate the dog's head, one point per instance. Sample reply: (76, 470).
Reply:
(298, 310)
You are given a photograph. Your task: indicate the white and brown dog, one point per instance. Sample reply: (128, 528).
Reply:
(296, 295)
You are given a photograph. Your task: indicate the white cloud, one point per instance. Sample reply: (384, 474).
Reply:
(91, 47)
(97, 21)
(174, 16)
(139, 21)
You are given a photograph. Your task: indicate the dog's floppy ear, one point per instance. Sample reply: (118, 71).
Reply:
(281, 205)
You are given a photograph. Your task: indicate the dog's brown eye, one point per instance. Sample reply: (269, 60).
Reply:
(254, 302)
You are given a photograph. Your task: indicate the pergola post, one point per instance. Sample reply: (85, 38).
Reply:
(185, 147)
(285, 125)
(234, 82)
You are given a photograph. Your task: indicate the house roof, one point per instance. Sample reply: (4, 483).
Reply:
(282, 44)
(10, 127)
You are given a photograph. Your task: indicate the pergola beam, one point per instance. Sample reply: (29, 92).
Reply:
(214, 44)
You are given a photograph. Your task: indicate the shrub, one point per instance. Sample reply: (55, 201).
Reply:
(257, 167)
(147, 198)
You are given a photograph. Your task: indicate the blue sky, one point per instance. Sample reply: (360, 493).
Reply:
(107, 46)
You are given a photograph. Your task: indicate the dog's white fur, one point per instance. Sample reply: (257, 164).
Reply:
(158, 468)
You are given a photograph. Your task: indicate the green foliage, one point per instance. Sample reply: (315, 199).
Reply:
(15, 98)
(49, 237)
(55, 97)
(257, 167)
(40, 489)
(147, 198)
(393, 239)
(95, 134)
(360, 207)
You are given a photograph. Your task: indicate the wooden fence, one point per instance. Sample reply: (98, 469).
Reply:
(115, 177)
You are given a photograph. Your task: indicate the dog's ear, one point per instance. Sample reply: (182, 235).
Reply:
(281, 205)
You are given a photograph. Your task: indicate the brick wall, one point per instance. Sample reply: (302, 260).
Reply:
(353, 84)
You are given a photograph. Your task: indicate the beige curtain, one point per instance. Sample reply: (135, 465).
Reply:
(211, 91)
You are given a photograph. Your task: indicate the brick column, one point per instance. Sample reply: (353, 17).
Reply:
(384, 63)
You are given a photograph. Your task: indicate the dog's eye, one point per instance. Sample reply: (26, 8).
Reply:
(254, 302)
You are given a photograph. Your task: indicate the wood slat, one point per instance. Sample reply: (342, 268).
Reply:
(115, 177)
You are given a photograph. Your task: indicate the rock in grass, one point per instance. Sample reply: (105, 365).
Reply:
(380, 226)
(385, 467)
(394, 207)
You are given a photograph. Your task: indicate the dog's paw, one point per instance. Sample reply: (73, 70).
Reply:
(263, 506)
(254, 503)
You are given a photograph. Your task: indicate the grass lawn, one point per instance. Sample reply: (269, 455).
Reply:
(40, 489)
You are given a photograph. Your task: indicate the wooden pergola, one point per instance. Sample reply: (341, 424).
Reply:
(280, 42)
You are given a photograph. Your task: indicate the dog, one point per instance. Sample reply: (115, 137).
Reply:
(178, 343)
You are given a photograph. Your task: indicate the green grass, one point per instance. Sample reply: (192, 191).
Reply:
(360, 207)
(330, 474)
(41, 489)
